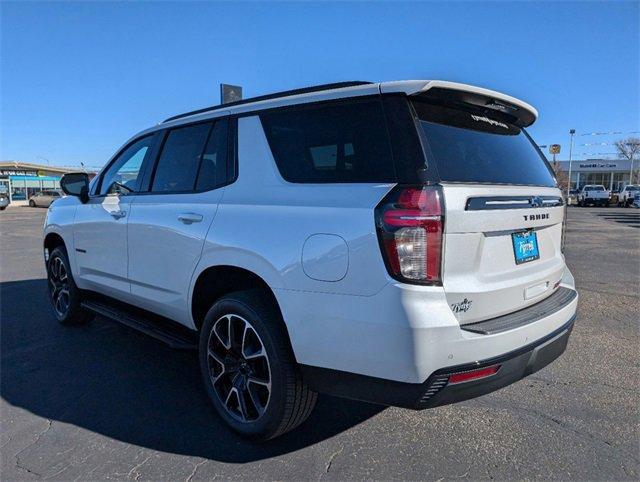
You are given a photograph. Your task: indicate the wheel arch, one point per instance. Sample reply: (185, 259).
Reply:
(52, 240)
(216, 281)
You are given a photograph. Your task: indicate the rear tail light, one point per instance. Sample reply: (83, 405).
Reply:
(409, 223)
(471, 375)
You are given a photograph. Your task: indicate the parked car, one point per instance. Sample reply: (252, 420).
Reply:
(636, 200)
(302, 243)
(4, 198)
(625, 197)
(572, 198)
(45, 197)
(594, 194)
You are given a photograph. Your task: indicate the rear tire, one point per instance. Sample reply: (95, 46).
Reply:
(64, 294)
(248, 367)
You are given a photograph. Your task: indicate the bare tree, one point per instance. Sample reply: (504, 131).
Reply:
(630, 149)
(561, 176)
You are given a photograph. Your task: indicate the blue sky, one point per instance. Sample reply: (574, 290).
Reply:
(79, 78)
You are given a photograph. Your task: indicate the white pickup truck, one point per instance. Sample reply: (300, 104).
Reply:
(625, 198)
(594, 194)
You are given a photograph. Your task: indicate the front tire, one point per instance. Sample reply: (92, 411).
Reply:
(32, 203)
(64, 294)
(248, 367)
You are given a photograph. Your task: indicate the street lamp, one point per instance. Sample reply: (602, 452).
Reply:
(631, 170)
(571, 134)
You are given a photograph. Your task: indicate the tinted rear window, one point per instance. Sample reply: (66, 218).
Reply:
(594, 188)
(468, 146)
(343, 142)
(180, 159)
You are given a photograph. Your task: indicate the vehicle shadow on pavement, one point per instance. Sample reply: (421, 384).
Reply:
(108, 379)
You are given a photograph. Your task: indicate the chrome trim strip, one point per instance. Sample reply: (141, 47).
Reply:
(485, 203)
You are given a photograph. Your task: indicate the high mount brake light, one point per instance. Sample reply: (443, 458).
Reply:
(409, 222)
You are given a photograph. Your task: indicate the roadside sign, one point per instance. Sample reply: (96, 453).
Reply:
(230, 93)
(554, 149)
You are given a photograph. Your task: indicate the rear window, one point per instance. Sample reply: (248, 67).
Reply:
(476, 147)
(594, 188)
(331, 143)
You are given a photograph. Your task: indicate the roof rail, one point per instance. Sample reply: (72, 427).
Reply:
(276, 95)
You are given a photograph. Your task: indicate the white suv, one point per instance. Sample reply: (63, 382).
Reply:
(399, 243)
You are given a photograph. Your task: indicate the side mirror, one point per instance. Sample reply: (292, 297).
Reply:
(76, 184)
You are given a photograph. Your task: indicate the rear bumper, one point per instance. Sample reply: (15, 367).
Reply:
(437, 389)
(405, 333)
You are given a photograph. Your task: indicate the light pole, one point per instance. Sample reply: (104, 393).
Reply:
(631, 170)
(571, 134)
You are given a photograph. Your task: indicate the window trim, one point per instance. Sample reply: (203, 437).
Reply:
(164, 134)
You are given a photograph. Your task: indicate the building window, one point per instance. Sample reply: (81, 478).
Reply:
(620, 180)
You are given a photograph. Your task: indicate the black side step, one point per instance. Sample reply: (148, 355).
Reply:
(172, 337)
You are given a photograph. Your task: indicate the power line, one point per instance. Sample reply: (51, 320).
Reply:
(608, 133)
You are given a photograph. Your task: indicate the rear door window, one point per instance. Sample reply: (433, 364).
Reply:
(345, 142)
(193, 158)
(213, 166)
(476, 147)
(179, 161)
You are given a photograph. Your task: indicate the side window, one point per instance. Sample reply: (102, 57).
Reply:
(124, 175)
(337, 142)
(213, 168)
(179, 161)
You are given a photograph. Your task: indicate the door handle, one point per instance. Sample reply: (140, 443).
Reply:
(189, 218)
(118, 214)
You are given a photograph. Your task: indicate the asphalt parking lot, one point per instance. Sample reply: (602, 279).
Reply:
(102, 402)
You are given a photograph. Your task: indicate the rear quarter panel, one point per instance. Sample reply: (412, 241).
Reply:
(263, 222)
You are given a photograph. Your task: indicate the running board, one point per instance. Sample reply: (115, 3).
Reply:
(171, 337)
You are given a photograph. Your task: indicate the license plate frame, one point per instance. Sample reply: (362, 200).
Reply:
(525, 246)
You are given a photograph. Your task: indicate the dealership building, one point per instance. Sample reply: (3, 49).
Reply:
(613, 174)
(21, 180)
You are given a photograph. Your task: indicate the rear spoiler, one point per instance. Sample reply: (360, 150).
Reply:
(523, 114)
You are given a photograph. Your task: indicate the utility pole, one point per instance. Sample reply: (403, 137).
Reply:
(571, 134)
